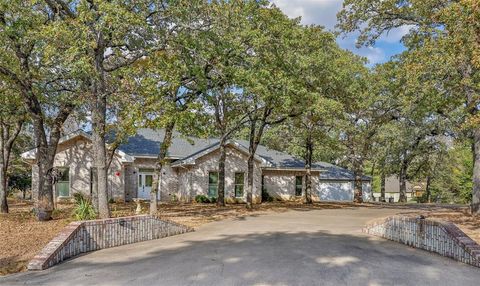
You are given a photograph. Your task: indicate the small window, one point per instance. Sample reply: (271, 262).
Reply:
(140, 183)
(212, 184)
(63, 183)
(64, 175)
(239, 184)
(298, 185)
(148, 180)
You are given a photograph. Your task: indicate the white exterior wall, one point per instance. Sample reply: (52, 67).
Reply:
(335, 191)
(280, 184)
(77, 156)
(193, 180)
(395, 195)
(367, 191)
(342, 191)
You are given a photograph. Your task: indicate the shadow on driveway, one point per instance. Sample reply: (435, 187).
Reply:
(269, 258)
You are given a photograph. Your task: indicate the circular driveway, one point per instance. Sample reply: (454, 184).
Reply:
(309, 247)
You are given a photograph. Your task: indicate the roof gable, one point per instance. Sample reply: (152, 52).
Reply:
(31, 154)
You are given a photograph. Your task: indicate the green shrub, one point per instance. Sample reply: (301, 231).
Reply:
(78, 197)
(205, 200)
(83, 208)
(111, 201)
(202, 199)
(266, 196)
(423, 199)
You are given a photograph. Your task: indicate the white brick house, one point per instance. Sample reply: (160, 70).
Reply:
(192, 170)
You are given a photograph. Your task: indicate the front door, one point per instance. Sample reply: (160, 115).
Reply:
(145, 182)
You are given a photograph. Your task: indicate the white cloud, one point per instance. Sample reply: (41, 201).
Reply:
(395, 35)
(373, 54)
(324, 13)
(321, 12)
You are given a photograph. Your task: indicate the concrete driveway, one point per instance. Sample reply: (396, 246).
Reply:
(310, 247)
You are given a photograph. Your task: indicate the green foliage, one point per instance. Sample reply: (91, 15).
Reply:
(243, 68)
(266, 196)
(422, 199)
(440, 76)
(20, 181)
(202, 199)
(83, 208)
(452, 178)
(205, 200)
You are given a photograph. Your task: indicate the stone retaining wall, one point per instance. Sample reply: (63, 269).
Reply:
(443, 238)
(85, 236)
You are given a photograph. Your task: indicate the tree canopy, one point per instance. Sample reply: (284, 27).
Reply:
(242, 68)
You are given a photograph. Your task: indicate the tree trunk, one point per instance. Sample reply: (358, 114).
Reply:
(250, 167)
(3, 172)
(100, 154)
(357, 185)
(44, 202)
(250, 163)
(427, 189)
(475, 208)
(167, 140)
(473, 109)
(308, 168)
(403, 183)
(155, 188)
(382, 187)
(358, 197)
(3, 188)
(255, 137)
(45, 157)
(99, 121)
(221, 174)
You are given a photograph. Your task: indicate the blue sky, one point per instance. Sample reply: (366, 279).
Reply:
(323, 12)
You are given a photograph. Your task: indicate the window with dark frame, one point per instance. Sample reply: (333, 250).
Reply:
(63, 183)
(212, 184)
(148, 181)
(239, 184)
(298, 185)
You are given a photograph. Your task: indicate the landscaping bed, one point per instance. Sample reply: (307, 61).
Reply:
(469, 224)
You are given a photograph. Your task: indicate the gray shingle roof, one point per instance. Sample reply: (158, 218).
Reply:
(283, 160)
(147, 143)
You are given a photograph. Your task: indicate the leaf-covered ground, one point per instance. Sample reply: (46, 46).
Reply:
(22, 236)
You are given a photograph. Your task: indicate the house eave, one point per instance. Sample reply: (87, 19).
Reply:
(190, 161)
(290, 169)
(155, 157)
